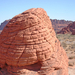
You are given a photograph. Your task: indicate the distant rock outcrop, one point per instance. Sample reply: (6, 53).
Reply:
(28, 46)
(3, 24)
(59, 24)
(73, 32)
(70, 29)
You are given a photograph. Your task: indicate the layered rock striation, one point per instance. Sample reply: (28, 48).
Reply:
(28, 45)
(57, 24)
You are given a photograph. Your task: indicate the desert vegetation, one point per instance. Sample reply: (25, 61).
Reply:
(68, 43)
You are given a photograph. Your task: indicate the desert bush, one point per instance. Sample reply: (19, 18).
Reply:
(71, 64)
(64, 44)
(72, 57)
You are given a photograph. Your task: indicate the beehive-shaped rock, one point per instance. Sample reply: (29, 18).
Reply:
(29, 38)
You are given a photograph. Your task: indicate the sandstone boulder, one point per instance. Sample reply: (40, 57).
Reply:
(28, 45)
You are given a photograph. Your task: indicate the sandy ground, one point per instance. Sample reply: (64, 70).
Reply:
(71, 70)
(68, 43)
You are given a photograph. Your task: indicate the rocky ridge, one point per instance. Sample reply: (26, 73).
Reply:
(70, 29)
(59, 24)
(28, 45)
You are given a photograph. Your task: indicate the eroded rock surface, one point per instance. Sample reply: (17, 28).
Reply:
(28, 45)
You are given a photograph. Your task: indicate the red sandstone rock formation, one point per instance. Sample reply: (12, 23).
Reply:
(28, 45)
(73, 32)
(59, 24)
(69, 29)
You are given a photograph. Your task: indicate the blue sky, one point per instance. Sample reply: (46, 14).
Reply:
(56, 9)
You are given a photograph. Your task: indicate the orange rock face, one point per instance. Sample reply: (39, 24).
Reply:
(28, 45)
